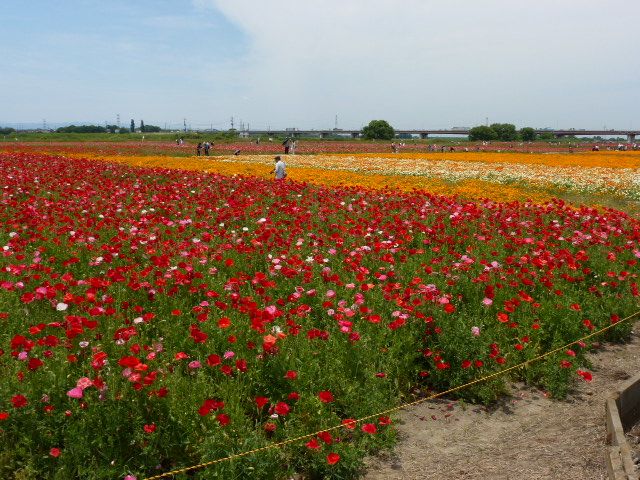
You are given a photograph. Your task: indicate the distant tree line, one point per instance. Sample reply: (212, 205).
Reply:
(7, 131)
(506, 132)
(84, 129)
(147, 128)
(106, 129)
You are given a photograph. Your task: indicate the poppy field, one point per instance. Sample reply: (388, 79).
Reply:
(154, 318)
(249, 146)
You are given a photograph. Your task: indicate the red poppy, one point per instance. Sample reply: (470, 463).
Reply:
(384, 420)
(313, 444)
(325, 396)
(326, 437)
(223, 419)
(214, 360)
(349, 423)
(585, 375)
(282, 409)
(210, 405)
(150, 428)
(369, 428)
(333, 458)
(19, 401)
(293, 396)
(34, 363)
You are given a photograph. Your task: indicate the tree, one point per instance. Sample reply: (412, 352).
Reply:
(112, 128)
(378, 129)
(506, 131)
(133, 126)
(142, 126)
(81, 129)
(7, 131)
(528, 134)
(151, 128)
(482, 132)
(547, 136)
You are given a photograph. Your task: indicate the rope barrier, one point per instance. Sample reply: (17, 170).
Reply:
(393, 409)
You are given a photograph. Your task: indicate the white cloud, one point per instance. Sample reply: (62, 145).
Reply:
(427, 63)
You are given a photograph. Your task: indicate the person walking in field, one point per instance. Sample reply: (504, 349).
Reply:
(287, 145)
(280, 169)
(199, 148)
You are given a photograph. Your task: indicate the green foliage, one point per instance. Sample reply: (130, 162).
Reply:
(7, 131)
(149, 128)
(528, 134)
(378, 130)
(133, 126)
(506, 131)
(482, 132)
(82, 129)
(547, 136)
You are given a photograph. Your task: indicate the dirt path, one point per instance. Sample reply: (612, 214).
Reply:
(525, 436)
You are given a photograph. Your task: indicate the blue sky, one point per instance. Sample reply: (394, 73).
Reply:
(90, 60)
(295, 63)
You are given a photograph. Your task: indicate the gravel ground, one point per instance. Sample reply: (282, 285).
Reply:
(527, 435)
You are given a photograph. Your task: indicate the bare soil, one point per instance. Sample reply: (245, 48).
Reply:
(526, 435)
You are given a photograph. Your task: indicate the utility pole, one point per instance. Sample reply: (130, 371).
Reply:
(336, 127)
(118, 120)
(231, 123)
(184, 122)
(44, 124)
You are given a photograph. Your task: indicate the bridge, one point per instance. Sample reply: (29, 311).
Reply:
(630, 134)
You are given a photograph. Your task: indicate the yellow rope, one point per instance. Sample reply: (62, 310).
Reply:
(390, 410)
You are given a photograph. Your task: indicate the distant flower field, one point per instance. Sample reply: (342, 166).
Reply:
(160, 311)
(501, 177)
